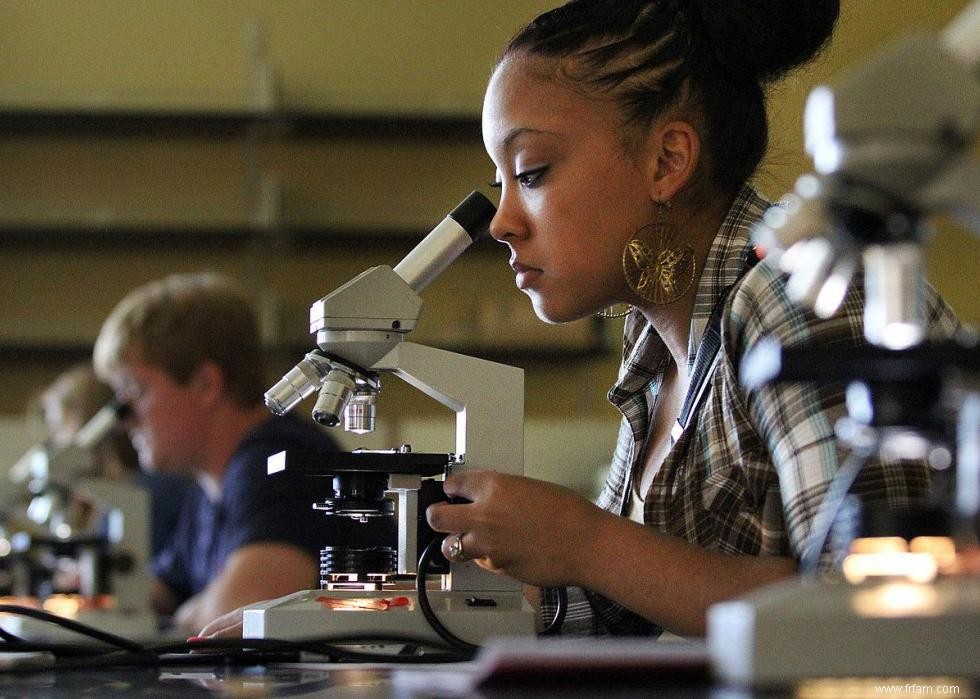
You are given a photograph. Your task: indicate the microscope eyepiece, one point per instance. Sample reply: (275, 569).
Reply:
(474, 214)
(102, 423)
(464, 225)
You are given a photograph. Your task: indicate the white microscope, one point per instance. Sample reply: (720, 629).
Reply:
(109, 546)
(379, 589)
(891, 144)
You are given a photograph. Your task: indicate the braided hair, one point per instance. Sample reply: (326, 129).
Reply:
(712, 57)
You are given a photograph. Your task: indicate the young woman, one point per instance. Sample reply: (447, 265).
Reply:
(624, 134)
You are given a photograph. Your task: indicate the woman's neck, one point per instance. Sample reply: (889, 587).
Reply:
(673, 321)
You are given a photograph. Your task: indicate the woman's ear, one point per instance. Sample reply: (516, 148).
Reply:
(675, 151)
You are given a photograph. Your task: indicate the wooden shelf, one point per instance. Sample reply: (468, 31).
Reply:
(236, 125)
(193, 181)
(220, 176)
(70, 352)
(85, 234)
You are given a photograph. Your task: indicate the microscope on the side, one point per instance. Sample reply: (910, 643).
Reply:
(375, 587)
(891, 145)
(79, 544)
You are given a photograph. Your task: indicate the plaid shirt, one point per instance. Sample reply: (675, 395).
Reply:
(748, 474)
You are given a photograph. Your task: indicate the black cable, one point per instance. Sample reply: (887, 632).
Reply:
(125, 652)
(57, 649)
(9, 637)
(115, 659)
(321, 645)
(554, 626)
(81, 629)
(830, 506)
(235, 652)
(448, 636)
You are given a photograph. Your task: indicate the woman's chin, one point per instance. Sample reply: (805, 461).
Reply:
(554, 315)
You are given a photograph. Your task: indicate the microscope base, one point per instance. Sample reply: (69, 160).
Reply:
(798, 630)
(301, 615)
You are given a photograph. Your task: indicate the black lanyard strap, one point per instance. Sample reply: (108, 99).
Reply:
(706, 360)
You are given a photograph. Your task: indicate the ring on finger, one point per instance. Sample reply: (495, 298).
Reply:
(455, 552)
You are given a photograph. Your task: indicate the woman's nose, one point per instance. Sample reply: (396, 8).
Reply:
(507, 224)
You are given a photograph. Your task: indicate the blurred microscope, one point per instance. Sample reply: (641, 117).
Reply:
(891, 145)
(403, 586)
(73, 543)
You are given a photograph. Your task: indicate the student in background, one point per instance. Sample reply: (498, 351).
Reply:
(67, 404)
(185, 353)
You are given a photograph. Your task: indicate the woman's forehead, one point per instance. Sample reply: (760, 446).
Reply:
(524, 96)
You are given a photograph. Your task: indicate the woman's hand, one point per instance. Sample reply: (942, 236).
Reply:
(225, 626)
(532, 530)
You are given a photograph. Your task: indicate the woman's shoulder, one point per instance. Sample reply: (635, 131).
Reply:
(760, 306)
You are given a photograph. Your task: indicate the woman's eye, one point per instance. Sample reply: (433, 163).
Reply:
(530, 178)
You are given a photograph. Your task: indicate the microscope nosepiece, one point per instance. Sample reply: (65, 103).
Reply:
(286, 395)
(361, 414)
(298, 383)
(335, 394)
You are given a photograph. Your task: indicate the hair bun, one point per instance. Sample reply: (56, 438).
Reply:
(767, 38)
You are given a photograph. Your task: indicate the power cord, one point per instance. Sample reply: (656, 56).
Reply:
(830, 506)
(445, 634)
(330, 646)
(122, 652)
(554, 626)
(454, 641)
(93, 633)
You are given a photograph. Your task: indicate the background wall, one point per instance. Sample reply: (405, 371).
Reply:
(291, 145)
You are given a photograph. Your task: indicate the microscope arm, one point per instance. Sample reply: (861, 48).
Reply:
(956, 191)
(489, 431)
(488, 399)
(126, 508)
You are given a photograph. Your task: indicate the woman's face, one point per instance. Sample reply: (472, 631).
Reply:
(570, 196)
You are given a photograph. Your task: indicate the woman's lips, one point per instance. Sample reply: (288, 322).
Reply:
(526, 276)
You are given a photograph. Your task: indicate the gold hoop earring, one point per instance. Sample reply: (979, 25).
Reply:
(657, 268)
